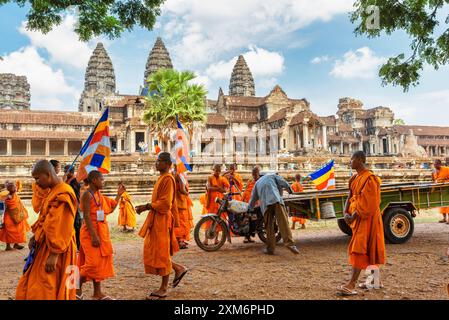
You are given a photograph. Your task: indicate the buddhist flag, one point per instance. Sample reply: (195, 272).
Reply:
(96, 151)
(182, 149)
(157, 149)
(324, 178)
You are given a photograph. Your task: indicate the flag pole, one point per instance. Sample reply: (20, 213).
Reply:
(88, 139)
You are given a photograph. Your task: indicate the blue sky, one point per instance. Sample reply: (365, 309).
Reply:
(306, 46)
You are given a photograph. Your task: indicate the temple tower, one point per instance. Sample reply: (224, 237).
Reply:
(14, 92)
(99, 80)
(242, 81)
(159, 58)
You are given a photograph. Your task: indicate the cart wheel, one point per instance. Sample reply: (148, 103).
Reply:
(398, 225)
(344, 227)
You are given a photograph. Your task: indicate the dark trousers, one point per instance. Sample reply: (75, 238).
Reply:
(277, 212)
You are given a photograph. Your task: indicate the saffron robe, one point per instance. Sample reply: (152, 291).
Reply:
(53, 233)
(237, 183)
(12, 232)
(158, 229)
(127, 214)
(442, 175)
(183, 230)
(222, 182)
(38, 197)
(367, 245)
(297, 187)
(96, 263)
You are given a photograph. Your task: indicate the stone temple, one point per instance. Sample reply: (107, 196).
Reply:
(300, 131)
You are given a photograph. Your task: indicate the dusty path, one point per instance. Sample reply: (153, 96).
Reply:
(415, 270)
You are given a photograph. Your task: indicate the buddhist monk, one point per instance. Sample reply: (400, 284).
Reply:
(203, 203)
(127, 214)
(441, 175)
(247, 194)
(297, 187)
(362, 213)
(183, 230)
(191, 225)
(250, 185)
(15, 225)
(235, 179)
(70, 179)
(158, 230)
(96, 257)
(53, 247)
(56, 165)
(216, 186)
(40, 194)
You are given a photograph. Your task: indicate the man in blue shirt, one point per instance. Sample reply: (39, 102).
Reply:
(268, 190)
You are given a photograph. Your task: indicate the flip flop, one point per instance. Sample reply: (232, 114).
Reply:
(157, 295)
(80, 297)
(177, 280)
(106, 298)
(342, 290)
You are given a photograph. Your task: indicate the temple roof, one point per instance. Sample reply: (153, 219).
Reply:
(159, 58)
(279, 115)
(422, 130)
(215, 119)
(17, 135)
(242, 81)
(299, 118)
(47, 118)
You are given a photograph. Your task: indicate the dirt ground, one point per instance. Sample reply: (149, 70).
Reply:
(415, 270)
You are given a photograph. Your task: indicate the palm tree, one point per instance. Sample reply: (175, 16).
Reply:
(171, 94)
(399, 122)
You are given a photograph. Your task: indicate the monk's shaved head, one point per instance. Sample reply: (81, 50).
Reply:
(43, 166)
(94, 175)
(217, 167)
(437, 164)
(359, 155)
(164, 156)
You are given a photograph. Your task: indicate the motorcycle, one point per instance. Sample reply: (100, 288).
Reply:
(233, 218)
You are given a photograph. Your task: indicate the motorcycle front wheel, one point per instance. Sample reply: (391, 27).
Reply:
(262, 233)
(210, 234)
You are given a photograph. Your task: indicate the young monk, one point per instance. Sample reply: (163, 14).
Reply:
(440, 175)
(250, 185)
(189, 211)
(235, 179)
(158, 230)
(182, 231)
(56, 165)
(96, 256)
(15, 220)
(297, 187)
(70, 179)
(362, 213)
(203, 203)
(127, 214)
(53, 242)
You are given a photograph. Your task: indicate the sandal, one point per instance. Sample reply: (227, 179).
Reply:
(156, 295)
(442, 221)
(343, 291)
(80, 297)
(106, 298)
(177, 280)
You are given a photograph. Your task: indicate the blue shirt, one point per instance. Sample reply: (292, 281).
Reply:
(268, 190)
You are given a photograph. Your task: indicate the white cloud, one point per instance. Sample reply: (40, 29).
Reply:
(48, 86)
(361, 64)
(204, 30)
(318, 60)
(62, 43)
(261, 62)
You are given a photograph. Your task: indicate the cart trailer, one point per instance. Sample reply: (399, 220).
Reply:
(400, 202)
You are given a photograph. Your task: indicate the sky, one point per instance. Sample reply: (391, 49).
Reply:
(308, 47)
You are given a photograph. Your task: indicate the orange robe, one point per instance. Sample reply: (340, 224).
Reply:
(248, 190)
(237, 183)
(203, 203)
(442, 175)
(96, 263)
(12, 232)
(183, 230)
(158, 230)
(54, 233)
(297, 187)
(367, 245)
(38, 197)
(190, 215)
(127, 214)
(222, 182)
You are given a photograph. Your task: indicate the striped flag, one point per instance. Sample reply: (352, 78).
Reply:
(96, 151)
(324, 178)
(182, 149)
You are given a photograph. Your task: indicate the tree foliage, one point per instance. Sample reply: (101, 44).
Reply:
(419, 19)
(94, 17)
(399, 122)
(171, 94)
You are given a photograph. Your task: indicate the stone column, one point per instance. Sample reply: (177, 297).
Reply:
(8, 147)
(66, 147)
(28, 147)
(342, 150)
(47, 147)
(132, 142)
(119, 145)
(324, 141)
(305, 135)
